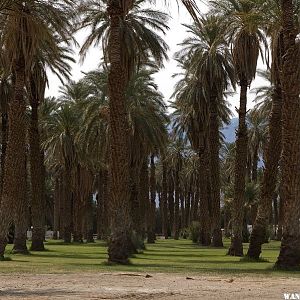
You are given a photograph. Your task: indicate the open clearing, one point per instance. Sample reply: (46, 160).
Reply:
(137, 286)
(177, 270)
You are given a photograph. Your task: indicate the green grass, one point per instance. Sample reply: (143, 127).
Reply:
(164, 256)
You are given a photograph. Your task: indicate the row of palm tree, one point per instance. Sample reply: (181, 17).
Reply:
(109, 135)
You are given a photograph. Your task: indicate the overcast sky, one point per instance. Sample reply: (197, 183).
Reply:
(164, 78)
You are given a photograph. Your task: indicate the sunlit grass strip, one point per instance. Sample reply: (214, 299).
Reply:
(164, 256)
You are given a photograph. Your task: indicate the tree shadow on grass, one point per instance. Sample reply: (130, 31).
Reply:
(71, 256)
(23, 294)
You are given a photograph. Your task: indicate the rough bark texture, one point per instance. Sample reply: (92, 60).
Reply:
(67, 206)
(164, 200)
(188, 207)
(289, 256)
(275, 205)
(144, 199)
(171, 201)
(38, 202)
(135, 201)
(4, 137)
(214, 145)
(89, 219)
(176, 208)
(195, 211)
(182, 210)
(61, 204)
(280, 219)
(119, 245)
(14, 181)
(152, 204)
(204, 236)
(236, 247)
(100, 206)
(268, 185)
(56, 214)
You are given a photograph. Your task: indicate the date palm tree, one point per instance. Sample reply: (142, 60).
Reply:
(128, 37)
(243, 21)
(210, 58)
(36, 85)
(270, 107)
(5, 94)
(289, 256)
(26, 28)
(147, 131)
(59, 145)
(191, 116)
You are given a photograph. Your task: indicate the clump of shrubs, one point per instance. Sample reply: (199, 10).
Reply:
(185, 233)
(195, 231)
(137, 241)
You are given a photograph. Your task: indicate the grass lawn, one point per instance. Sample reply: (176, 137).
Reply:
(164, 256)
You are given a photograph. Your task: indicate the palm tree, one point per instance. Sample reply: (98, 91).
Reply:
(271, 106)
(147, 119)
(243, 23)
(6, 94)
(36, 85)
(289, 256)
(61, 152)
(26, 28)
(191, 117)
(128, 38)
(174, 157)
(211, 60)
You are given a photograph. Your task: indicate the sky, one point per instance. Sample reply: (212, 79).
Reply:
(163, 78)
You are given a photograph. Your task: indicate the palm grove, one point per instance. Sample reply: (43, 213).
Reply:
(107, 157)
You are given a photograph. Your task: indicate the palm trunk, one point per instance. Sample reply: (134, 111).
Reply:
(214, 145)
(4, 137)
(164, 199)
(78, 208)
(289, 256)
(275, 205)
(67, 207)
(171, 201)
(188, 208)
(100, 206)
(135, 203)
(119, 244)
(14, 181)
(176, 208)
(236, 248)
(226, 222)
(61, 204)
(56, 209)
(204, 237)
(38, 202)
(89, 219)
(182, 210)
(272, 155)
(144, 199)
(280, 219)
(152, 204)
(254, 164)
(195, 211)
(106, 200)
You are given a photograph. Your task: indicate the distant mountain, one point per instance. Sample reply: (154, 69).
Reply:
(229, 130)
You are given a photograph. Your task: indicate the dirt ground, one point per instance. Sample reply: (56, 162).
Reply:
(86, 286)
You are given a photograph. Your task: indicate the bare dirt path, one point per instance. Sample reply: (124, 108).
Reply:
(86, 286)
